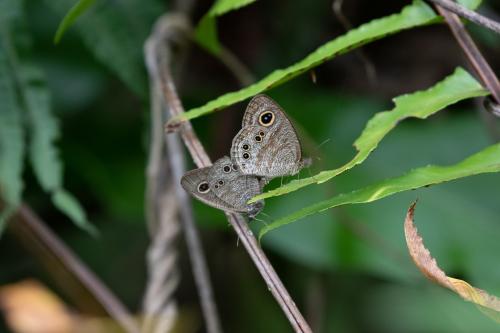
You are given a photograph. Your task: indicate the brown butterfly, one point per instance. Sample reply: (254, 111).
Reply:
(223, 186)
(267, 144)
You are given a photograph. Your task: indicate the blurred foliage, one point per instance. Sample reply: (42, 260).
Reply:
(206, 30)
(347, 268)
(26, 92)
(76, 11)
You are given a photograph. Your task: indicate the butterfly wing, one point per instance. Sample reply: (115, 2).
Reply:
(224, 187)
(235, 188)
(267, 145)
(197, 183)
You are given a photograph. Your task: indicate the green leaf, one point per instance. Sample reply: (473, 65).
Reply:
(78, 9)
(414, 15)
(65, 202)
(206, 31)
(44, 154)
(11, 139)
(486, 161)
(458, 86)
(206, 34)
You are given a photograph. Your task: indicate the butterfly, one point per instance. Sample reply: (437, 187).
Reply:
(267, 144)
(223, 186)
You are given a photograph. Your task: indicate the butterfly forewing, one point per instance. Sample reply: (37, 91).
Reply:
(267, 145)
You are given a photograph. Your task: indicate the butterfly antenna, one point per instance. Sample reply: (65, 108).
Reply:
(261, 221)
(319, 146)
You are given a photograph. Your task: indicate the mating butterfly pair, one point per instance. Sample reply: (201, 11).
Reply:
(266, 147)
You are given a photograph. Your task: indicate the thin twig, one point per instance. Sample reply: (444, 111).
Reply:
(237, 221)
(236, 67)
(472, 52)
(95, 286)
(268, 273)
(468, 14)
(370, 70)
(157, 51)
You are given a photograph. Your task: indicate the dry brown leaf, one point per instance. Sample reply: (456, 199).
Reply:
(29, 307)
(428, 266)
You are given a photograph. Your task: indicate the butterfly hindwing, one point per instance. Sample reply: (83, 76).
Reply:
(223, 186)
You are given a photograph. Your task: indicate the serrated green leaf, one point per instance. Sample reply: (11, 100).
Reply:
(43, 153)
(44, 130)
(206, 30)
(414, 15)
(11, 139)
(485, 161)
(78, 9)
(458, 86)
(30, 91)
(68, 204)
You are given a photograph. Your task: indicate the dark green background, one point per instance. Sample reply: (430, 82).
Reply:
(347, 268)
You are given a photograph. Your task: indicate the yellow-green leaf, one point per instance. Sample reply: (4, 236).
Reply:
(485, 161)
(413, 15)
(458, 86)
